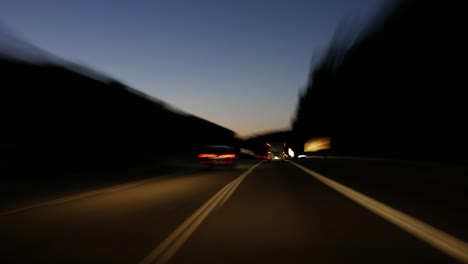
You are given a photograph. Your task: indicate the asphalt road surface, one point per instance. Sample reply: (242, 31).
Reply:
(334, 210)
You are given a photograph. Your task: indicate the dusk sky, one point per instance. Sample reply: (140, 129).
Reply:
(238, 63)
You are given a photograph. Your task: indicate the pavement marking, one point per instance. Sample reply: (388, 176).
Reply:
(450, 245)
(83, 195)
(169, 246)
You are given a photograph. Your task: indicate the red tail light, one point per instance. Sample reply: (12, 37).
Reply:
(206, 155)
(224, 156)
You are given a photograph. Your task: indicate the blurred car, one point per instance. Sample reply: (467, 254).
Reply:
(215, 155)
(276, 150)
(276, 156)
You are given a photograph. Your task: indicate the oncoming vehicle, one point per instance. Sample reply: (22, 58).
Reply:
(276, 151)
(215, 155)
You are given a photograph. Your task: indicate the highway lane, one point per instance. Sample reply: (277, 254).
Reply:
(31, 185)
(116, 225)
(272, 213)
(435, 193)
(280, 214)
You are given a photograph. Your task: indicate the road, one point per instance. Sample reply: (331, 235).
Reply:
(332, 210)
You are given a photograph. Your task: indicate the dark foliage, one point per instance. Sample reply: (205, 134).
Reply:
(397, 91)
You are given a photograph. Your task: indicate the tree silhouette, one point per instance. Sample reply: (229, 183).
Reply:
(394, 92)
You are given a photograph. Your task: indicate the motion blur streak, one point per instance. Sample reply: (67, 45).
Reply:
(316, 144)
(166, 249)
(227, 156)
(444, 242)
(206, 155)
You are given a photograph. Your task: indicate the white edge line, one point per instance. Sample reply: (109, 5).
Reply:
(442, 241)
(169, 246)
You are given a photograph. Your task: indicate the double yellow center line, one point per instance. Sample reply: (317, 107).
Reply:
(440, 240)
(167, 248)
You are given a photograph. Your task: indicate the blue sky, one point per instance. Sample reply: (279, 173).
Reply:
(237, 63)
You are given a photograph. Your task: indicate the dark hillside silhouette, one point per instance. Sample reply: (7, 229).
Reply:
(53, 116)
